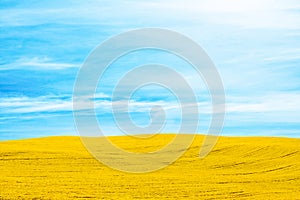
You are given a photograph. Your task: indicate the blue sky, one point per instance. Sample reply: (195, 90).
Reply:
(254, 44)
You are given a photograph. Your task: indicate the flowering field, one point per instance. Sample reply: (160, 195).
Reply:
(237, 168)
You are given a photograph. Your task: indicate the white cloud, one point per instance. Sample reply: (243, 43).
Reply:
(277, 102)
(37, 63)
(287, 55)
(23, 105)
(246, 13)
(243, 13)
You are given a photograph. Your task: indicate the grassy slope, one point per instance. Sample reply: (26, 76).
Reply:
(60, 167)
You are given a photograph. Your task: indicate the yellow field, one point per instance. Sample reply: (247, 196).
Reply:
(237, 168)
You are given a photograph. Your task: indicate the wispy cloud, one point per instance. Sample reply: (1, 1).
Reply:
(37, 63)
(21, 105)
(286, 56)
(278, 102)
(248, 14)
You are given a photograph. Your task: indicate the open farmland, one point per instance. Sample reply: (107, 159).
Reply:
(237, 168)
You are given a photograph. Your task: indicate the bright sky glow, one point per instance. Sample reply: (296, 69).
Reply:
(254, 44)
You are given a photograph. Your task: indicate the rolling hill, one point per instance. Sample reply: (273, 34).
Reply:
(237, 168)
